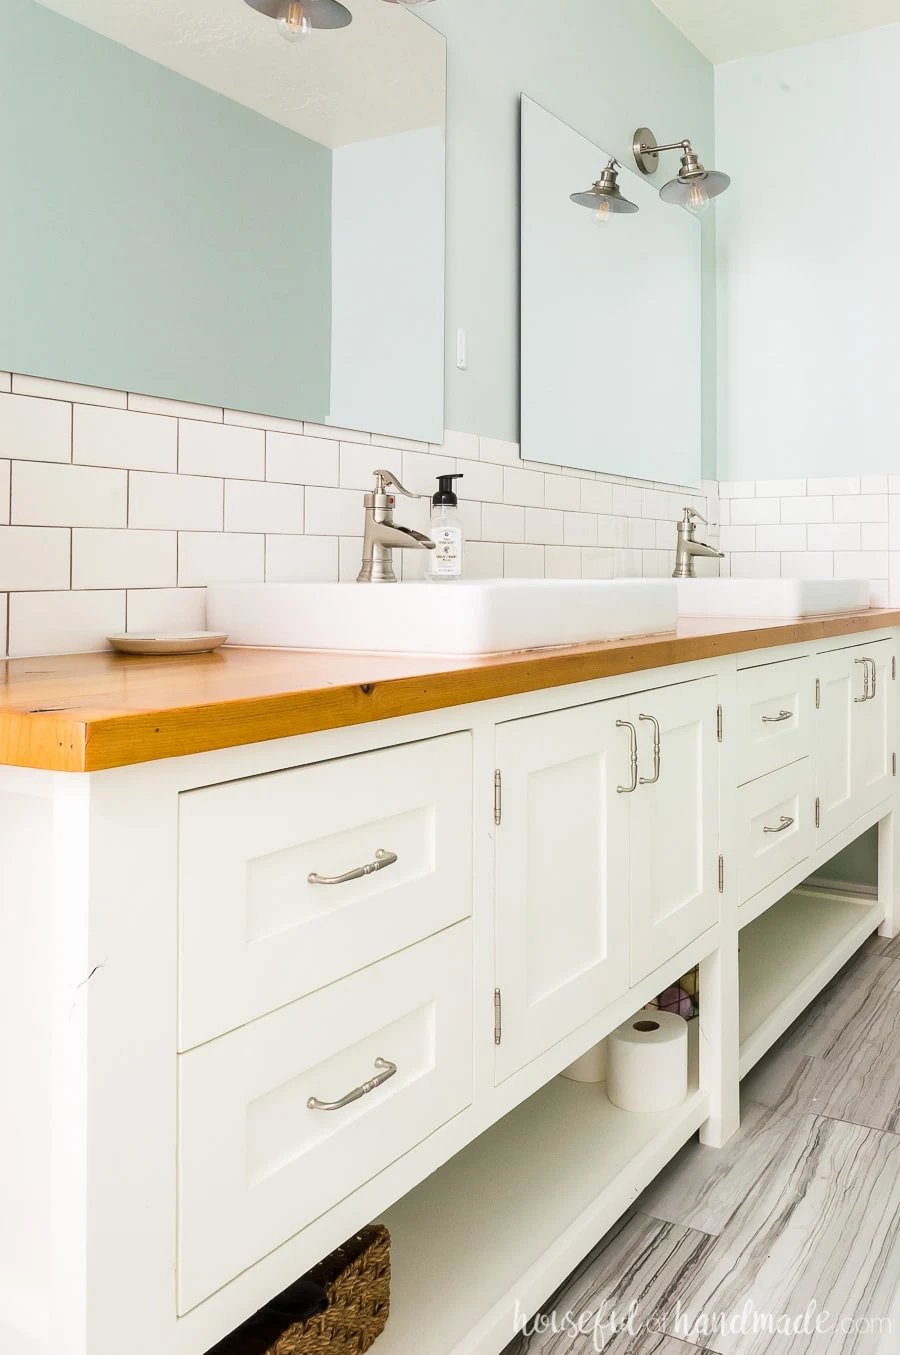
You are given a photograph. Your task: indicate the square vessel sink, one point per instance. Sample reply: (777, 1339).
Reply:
(771, 598)
(488, 616)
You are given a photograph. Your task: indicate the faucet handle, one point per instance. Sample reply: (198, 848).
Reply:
(385, 479)
(694, 513)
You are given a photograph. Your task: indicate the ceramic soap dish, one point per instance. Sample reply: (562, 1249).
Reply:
(158, 642)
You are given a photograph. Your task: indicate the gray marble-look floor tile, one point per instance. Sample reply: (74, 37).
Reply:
(860, 1084)
(859, 996)
(785, 1080)
(820, 1226)
(622, 1298)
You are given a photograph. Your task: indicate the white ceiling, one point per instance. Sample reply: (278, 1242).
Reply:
(385, 73)
(726, 29)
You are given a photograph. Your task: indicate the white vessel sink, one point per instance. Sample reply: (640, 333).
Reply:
(479, 617)
(763, 598)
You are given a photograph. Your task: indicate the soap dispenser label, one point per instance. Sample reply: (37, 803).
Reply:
(447, 542)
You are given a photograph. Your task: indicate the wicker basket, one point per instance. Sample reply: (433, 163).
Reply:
(357, 1280)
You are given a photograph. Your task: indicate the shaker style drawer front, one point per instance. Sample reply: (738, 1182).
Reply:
(775, 826)
(291, 880)
(282, 1119)
(776, 706)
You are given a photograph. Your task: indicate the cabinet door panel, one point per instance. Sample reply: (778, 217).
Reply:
(875, 732)
(840, 682)
(674, 824)
(562, 889)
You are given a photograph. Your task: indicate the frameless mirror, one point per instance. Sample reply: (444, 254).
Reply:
(610, 317)
(193, 208)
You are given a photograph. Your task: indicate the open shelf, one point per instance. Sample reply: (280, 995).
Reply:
(512, 1214)
(789, 953)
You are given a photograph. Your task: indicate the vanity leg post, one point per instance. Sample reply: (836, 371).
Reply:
(720, 1041)
(889, 873)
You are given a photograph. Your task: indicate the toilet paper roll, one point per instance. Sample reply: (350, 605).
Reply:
(648, 1062)
(591, 1067)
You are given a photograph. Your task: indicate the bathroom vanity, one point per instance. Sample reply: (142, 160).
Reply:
(250, 883)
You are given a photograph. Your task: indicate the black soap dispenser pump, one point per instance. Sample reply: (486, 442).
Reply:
(445, 562)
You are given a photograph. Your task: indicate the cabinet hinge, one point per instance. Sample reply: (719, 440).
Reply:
(893, 764)
(894, 668)
(498, 1019)
(818, 811)
(721, 874)
(719, 724)
(818, 693)
(498, 797)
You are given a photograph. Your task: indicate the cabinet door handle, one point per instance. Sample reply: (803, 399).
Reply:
(865, 695)
(785, 823)
(389, 1069)
(652, 780)
(632, 735)
(382, 860)
(874, 676)
(777, 719)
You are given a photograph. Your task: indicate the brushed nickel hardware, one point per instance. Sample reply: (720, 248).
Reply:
(818, 693)
(719, 723)
(388, 1070)
(498, 1016)
(784, 823)
(632, 735)
(498, 796)
(652, 780)
(382, 535)
(605, 198)
(693, 186)
(874, 678)
(893, 764)
(382, 860)
(721, 874)
(894, 669)
(779, 718)
(865, 696)
(818, 810)
(688, 547)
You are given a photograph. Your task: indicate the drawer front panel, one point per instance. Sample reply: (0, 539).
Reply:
(256, 1163)
(775, 826)
(776, 706)
(257, 933)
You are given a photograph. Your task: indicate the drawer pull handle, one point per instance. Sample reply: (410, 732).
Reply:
(785, 823)
(388, 1070)
(652, 780)
(382, 859)
(632, 735)
(777, 719)
(874, 677)
(866, 693)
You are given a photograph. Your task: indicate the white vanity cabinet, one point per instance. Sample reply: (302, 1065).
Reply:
(606, 856)
(856, 732)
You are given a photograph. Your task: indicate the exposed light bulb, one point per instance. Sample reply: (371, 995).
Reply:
(409, 3)
(697, 199)
(293, 22)
(602, 214)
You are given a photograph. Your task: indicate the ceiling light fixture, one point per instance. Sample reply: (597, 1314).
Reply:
(298, 18)
(605, 198)
(694, 186)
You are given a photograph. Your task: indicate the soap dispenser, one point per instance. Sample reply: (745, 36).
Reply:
(446, 560)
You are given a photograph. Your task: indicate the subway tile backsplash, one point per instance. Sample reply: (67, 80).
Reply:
(117, 508)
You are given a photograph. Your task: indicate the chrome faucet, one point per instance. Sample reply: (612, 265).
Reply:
(383, 534)
(688, 548)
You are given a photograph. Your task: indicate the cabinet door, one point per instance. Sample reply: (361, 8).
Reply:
(562, 887)
(841, 689)
(875, 730)
(674, 823)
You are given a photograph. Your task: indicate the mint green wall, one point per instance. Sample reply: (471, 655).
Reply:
(168, 247)
(602, 66)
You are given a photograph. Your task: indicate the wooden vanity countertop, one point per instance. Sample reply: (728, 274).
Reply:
(91, 712)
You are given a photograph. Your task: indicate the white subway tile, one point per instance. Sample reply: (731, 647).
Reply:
(833, 536)
(495, 449)
(894, 484)
(257, 506)
(482, 481)
(421, 469)
(544, 526)
(597, 563)
(780, 489)
(524, 487)
(808, 564)
(174, 502)
(835, 484)
(484, 560)
(654, 503)
(704, 567)
(118, 437)
(861, 564)
(63, 623)
(324, 430)
(626, 501)
(562, 492)
(47, 389)
(628, 564)
(33, 558)
(562, 562)
(5, 477)
(470, 517)
(334, 512)
(737, 489)
(724, 515)
(894, 520)
(894, 578)
(176, 409)
(875, 536)
(401, 444)
(360, 462)
(5, 381)
(783, 538)
(873, 484)
(523, 562)
(861, 508)
(755, 566)
(596, 496)
(302, 559)
(816, 508)
(302, 461)
(879, 592)
(350, 558)
(35, 430)
(580, 529)
(219, 449)
(166, 609)
(267, 422)
(641, 534)
(737, 538)
(502, 522)
(543, 466)
(220, 557)
(123, 559)
(4, 628)
(458, 445)
(611, 531)
(47, 494)
(751, 511)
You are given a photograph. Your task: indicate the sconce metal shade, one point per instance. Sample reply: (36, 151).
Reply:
(408, 4)
(679, 191)
(319, 13)
(606, 190)
(694, 186)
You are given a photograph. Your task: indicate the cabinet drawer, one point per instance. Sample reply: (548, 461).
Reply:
(775, 826)
(256, 1163)
(257, 932)
(775, 716)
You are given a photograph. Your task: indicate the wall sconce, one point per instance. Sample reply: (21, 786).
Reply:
(298, 18)
(694, 185)
(605, 198)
